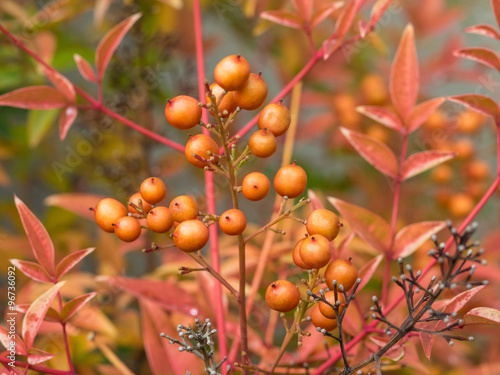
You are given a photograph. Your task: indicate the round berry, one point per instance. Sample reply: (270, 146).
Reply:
(282, 296)
(203, 146)
(160, 220)
(321, 321)
(137, 200)
(296, 256)
(343, 271)
(327, 310)
(324, 222)
(226, 104)
(290, 181)
(252, 94)
(263, 143)
(232, 72)
(183, 208)
(153, 190)
(276, 118)
(460, 204)
(233, 222)
(127, 228)
(255, 186)
(183, 112)
(469, 122)
(107, 212)
(315, 251)
(191, 236)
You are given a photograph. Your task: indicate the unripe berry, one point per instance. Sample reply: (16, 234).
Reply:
(183, 112)
(233, 222)
(153, 190)
(200, 144)
(252, 94)
(191, 236)
(107, 212)
(255, 186)
(183, 208)
(290, 181)
(276, 118)
(343, 271)
(127, 228)
(226, 104)
(160, 220)
(282, 296)
(138, 201)
(296, 256)
(263, 143)
(232, 72)
(315, 251)
(324, 222)
(327, 310)
(321, 321)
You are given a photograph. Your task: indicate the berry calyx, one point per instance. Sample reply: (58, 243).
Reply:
(255, 186)
(183, 208)
(233, 222)
(203, 146)
(107, 212)
(160, 220)
(324, 222)
(282, 296)
(290, 181)
(191, 236)
(252, 94)
(321, 321)
(183, 112)
(227, 104)
(263, 143)
(327, 310)
(276, 118)
(153, 190)
(232, 72)
(127, 228)
(136, 200)
(343, 271)
(315, 251)
(296, 255)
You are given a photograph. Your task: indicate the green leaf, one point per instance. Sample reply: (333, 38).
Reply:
(39, 122)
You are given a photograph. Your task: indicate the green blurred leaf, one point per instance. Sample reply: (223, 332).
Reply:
(38, 124)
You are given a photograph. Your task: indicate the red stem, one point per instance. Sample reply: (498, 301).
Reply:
(41, 369)
(65, 336)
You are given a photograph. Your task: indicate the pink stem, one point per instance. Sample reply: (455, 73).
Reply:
(65, 336)
(210, 188)
(41, 369)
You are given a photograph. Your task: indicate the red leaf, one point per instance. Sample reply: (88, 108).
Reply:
(484, 56)
(75, 202)
(72, 307)
(485, 30)
(5, 340)
(110, 42)
(85, 69)
(342, 26)
(304, 8)
(422, 161)
(315, 202)
(41, 244)
(66, 119)
(404, 75)
(427, 340)
(495, 5)
(34, 97)
(379, 8)
(373, 151)
(320, 15)
(32, 270)
(282, 17)
(422, 112)
(483, 315)
(366, 272)
(374, 230)
(479, 103)
(61, 83)
(35, 314)
(395, 353)
(342, 246)
(411, 237)
(36, 356)
(382, 115)
(461, 300)
(71, 260)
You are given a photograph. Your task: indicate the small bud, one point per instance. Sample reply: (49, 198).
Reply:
(373, 308)
(440, 260)
(402, 277)
(469, 253)
(480, 251)
(442, 286)
(433, 278)
(400, 260)
(431, 252)
(434, 238)
(468, 286)
(471, 338)
(394, 278)
(388, 332)
(374, 316)
(419, 273)
(454, 314)
(374, 299)
(485, 282)
(484, 262)
(442, 245)
(461, 248)
(417, 290)
(408, 267)
(341, 287)
(451, 343)
(453, 285)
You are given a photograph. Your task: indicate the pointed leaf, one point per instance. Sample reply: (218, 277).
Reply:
(405, 75)
(52, 316)
(304, 8)
(315, 202)
(32, 270)
(61, 83)
(378, 10)
(411, 237)
(382, 115)
(395, 353)
(110, 42)
(282, 17)
(34, 97)
(422, 161)
(72, 307)
(5, 340)
(66, 119)
(484, 56)
(422, 112)
(71, 260)
(41, 244)
(366, 272)
(85, 69)
(479, 103)
(483, 315)
(485, 30)
(35, 314)
(36, 356)
(320, 15)
(427, 340)
(342, 26)
(495, 5)
(461, 300)
(75, 202)
(342, 246)
(373, 151)
(374, 230)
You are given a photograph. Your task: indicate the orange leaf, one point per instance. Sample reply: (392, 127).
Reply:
(411, 237)
(5, 340)
(34, 97)
(484, 56)
(495, 5)
(73, 306)
(282, 17)
(485, 30)
(382, 115)
(85, 69)
(36, 356)
(75, 202)
(366, 272)
(483, 315)
(320, 15)
(379, 8)
(479, 103)
(422, 161)
(61, 83)
(32, 270)
(422, 112)
(66, 119)
(342, 26)
(315, 202)
(304, 8)
(71, 260)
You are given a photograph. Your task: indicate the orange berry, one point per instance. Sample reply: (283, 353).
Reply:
(255, 186)
(373, 89)
(296, 255)
(232, 72)
(263, 143)
(477, 170)
(160, 220)
(327, 310)
(321, 321)
(343, 271)
(200, 144)
(233, 222)
(138, 201)
(183, 112)
(107, 212)
(324, 222)
(435, 121)
(183, 208)
(290, 181)
(469, 121)
(475, 189)
(442, 174)
(127, 228)
(282, 296)
(226, 104)
(378, 132)
(153, 190)
(460, 204)
(464, 148)
(252, 94)
(191, 236)
(276, 118)
(315, 251)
